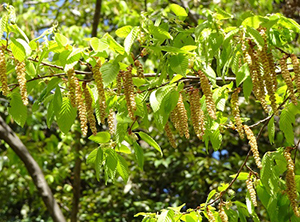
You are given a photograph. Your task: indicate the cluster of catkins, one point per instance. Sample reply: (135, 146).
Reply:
(80, 97)
(126, 77)
(179, 117)
(263, 75)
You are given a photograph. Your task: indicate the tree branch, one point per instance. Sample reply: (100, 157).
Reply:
(96, 17)
(8, 135)
(76, 181)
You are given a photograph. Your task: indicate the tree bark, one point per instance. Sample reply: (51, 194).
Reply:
(96, 18)
(8, 135)
(76, 181)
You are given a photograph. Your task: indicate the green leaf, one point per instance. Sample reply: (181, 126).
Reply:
(242, 74)
(122, 168)
(287, 118)
(99, 45)
(247, 87)
(221, 14)
(18, 50)
(109, 72)
(166, 216)
(130, 39)
(258, 39)
(101, 137)
(92, 157)
(148, 139)
(57, 101)
(99, 161)
(242, 176)
(210, 73)
(123, 31)
(111, 164)
(188, 48)
(253, 21)
(271, 130)
(159, 33)
(3, 23)
(178, 11)
(176, 78)
(17, 109)
(139, 155)
(179, 64)
(61, 39)
(210, 195)
(113, 45)
(67, 115)
(123, 149)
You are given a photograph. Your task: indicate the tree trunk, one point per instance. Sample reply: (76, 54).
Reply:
(8, 135)
(76, 181)
(96, 17)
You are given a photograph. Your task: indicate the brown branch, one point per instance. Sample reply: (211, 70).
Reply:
(9, 136)
(76, 181)
(96, 18)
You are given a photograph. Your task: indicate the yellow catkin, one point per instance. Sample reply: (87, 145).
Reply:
(257, 80)
(206, 89)
(81, 107)
(89, 109)
(223, 215)
(119, 81)
(287, 78)
(267, 77)
(236, 112)
(3, 75)
(129, 92)
(140, 70)
(20, 70)
(253, 145)
(100, 87)
(249, 185)
(170, 135)
(272, 69)
(210, 215)
(175, 118)
(296, 68)
(110, 121)
(197, 114)
(290, 181)
(183, 116)
(71, 82)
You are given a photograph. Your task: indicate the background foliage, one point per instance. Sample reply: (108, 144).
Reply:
(186, 174)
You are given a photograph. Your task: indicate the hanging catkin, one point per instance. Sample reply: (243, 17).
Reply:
(249, 185)
(100, 87)
(206, 89)
(3, 73)
(20, 70)
(296, 68)
(197, 114)
(182, 114)
(236, 112)
(253, 145)
(89, 109)
(129, 92)
(72, 86)
(81, 107)
(170, 135)
(287, 78)
(290, 181)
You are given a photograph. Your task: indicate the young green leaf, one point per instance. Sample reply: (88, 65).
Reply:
(66, 116)
(150, 141)
(101, 137)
